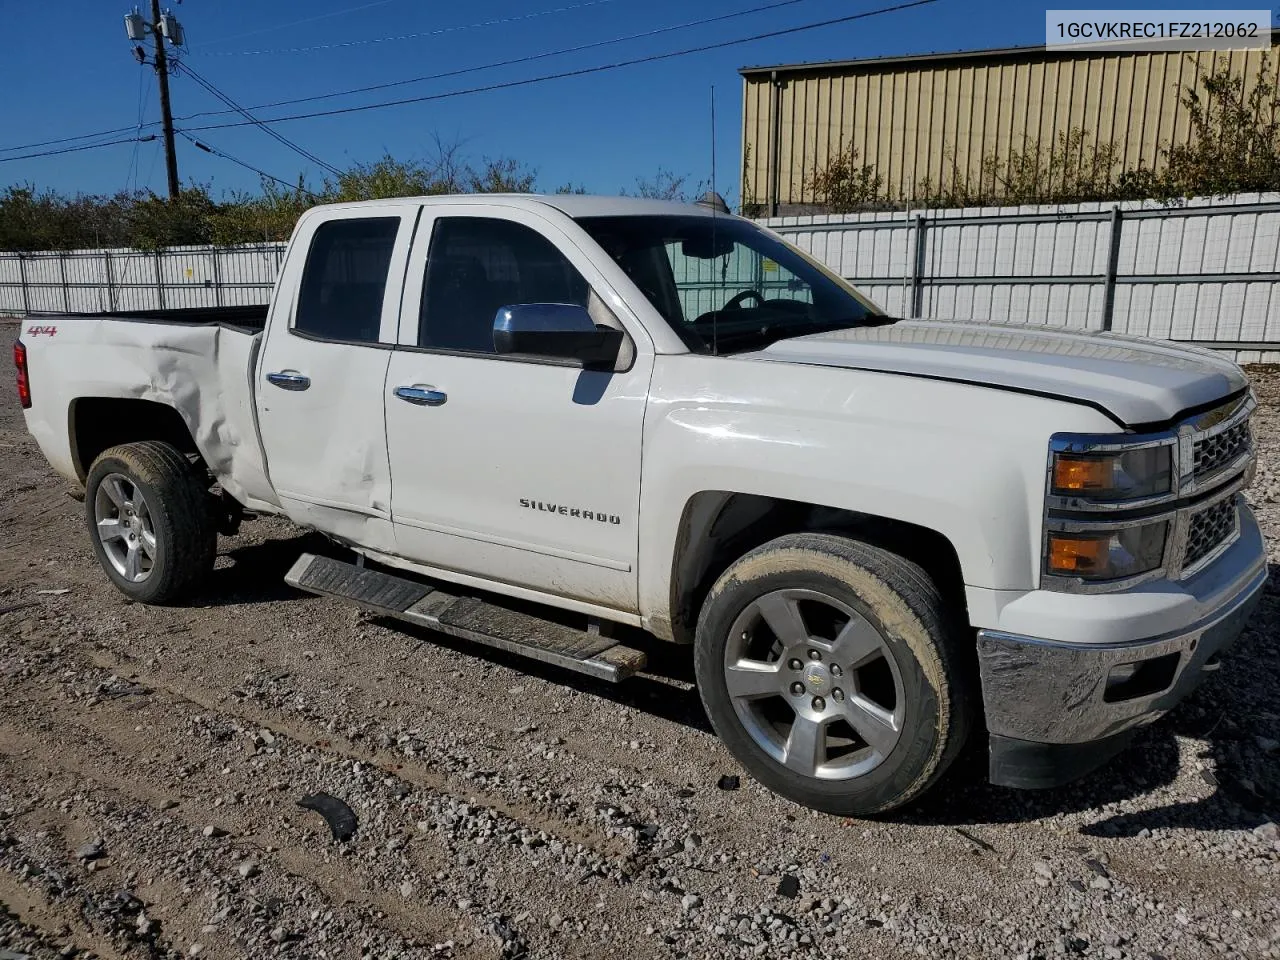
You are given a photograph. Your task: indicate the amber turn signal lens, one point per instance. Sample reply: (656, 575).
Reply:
(1078, 554)
(1113, 477)
(1081, 474)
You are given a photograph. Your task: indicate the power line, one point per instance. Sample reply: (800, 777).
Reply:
(82, 136)
(457, 93)
(297, 23)
(87, 146)
(460, 72)
(281, 138)
(155, 159)
(248, 166)
(583, 71)
(509, 63)
(497, 21)
(143, 89)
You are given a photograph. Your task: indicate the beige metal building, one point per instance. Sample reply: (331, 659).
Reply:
(940, 116)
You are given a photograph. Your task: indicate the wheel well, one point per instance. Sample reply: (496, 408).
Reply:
(98, 423)
(718, 527)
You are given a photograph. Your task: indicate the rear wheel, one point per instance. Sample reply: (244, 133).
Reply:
(828, 668)
(151, 521)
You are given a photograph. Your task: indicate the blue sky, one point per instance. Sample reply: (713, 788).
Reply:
(68, 70)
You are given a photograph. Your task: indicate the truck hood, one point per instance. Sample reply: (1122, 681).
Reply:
(1135, 381)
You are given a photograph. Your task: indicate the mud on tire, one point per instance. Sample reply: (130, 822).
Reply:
(151, 521)
(820, 632)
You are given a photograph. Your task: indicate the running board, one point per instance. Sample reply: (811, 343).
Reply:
(466, 617)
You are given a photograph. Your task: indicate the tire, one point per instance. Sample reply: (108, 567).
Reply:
(164, 540)
(881, 677)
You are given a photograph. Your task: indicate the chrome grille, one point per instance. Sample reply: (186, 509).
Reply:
(1220, 449)
(1209, 529)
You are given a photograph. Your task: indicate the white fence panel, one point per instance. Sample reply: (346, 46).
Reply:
(1206, 271)
(101, 281)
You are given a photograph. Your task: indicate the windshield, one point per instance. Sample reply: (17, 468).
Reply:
(726, 286)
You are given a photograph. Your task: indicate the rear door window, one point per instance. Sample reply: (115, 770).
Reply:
(345, 279)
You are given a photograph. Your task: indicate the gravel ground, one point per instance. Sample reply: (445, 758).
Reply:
(151, 761)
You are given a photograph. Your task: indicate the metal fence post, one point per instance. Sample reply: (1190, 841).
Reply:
(217, 277)
(159, 281)
(111, 286)
(774, 177)
(1113, 265)
(26, 294)
(917, 272)
(62, 272)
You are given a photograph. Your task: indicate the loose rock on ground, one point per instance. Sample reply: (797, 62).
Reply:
(151, 760)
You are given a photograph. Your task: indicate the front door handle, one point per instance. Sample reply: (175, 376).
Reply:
(423, 395)
(289, 380)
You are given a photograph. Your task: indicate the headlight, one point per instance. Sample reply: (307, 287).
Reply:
(1098, 556)
(1121, 475)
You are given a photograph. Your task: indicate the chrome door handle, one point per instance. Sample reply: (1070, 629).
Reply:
(289, 380)
(422, 395)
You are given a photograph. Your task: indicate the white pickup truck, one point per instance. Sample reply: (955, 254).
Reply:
(875, 534)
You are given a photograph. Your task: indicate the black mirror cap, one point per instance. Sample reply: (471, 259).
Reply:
(562, 331)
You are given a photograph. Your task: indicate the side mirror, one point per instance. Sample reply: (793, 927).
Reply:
(561, 330)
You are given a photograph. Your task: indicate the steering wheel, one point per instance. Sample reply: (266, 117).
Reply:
(738, 299)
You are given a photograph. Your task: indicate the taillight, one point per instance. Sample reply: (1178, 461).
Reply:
(24, 380)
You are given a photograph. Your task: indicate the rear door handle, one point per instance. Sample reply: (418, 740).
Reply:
(423, 395)
(289, 380)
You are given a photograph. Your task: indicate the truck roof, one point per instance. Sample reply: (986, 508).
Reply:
(571, 204)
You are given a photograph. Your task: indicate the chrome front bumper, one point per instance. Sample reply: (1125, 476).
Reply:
(1057, 710)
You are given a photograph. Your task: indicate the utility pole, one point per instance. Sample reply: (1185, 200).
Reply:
(166, 113)
(161, 28)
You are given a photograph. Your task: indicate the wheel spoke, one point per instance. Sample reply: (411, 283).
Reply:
(782, 614)
(114, 489)
(133, 562)
(806, 748)
(110, 529)
(752, 679)
(148, 541)
(858, 642)
(873, 723)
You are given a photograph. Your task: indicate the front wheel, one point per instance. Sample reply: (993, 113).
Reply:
(151, 521)
(830, 670)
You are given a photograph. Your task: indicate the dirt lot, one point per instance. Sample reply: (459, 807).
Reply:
(151, 761)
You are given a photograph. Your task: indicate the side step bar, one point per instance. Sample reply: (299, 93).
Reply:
(466, 617)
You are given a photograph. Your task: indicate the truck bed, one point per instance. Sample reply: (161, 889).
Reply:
(198, 362)
(252, 318)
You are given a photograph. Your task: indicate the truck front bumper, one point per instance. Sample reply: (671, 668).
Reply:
(1057, 710)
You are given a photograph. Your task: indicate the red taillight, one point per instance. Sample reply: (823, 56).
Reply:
(24, 380)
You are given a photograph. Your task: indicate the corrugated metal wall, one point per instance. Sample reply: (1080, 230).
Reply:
(933, 118)
(1206, 272)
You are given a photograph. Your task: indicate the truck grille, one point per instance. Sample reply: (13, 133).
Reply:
(1220, 449)
(1209, 529)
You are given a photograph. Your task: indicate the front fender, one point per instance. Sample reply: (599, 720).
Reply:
(967, 462)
